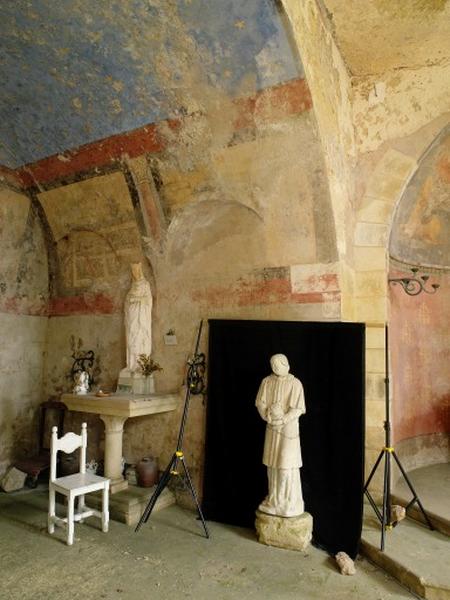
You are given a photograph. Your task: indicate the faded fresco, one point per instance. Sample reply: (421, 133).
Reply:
(116, 66)
(95, 231)
(23, 265)
(421, 228)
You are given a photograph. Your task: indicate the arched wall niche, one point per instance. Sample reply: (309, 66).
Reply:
(420, 232)
(94, 230)
(420, 325)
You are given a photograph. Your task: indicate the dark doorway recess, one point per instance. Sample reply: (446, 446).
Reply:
(329, 360)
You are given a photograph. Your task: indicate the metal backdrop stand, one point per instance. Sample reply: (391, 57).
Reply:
(385, 515)
(194, 385)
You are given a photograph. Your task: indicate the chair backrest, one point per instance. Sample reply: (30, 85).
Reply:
(68, 443)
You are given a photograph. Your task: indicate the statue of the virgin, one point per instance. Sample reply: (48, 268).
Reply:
(138, 317)
(138, 323)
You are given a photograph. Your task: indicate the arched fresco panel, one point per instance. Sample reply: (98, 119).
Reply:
(421, 227)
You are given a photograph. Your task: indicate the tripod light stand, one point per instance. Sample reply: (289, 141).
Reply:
(194, 385)
(387, 452)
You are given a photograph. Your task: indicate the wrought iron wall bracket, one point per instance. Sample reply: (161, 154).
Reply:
(414, 285)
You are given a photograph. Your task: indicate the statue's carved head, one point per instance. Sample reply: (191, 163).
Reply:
(136, 271)
(280, 365)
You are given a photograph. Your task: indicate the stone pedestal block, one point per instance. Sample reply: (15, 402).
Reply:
(128, 505)
(293, 533)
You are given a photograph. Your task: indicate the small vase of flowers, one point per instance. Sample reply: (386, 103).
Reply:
(143, 380)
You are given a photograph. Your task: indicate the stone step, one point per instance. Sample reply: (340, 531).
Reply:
(439, 522)
(432, 484)
(128, 505)
(416, 556)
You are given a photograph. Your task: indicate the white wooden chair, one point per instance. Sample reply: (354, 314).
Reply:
(76, 485)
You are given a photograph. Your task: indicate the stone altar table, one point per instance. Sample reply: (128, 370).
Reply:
(114, 410)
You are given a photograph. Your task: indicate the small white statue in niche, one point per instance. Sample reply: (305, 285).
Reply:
(138, 318)
(138, 329)
(280, 402)
(81, 382)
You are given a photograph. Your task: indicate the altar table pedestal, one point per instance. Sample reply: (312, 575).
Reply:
(114, 410)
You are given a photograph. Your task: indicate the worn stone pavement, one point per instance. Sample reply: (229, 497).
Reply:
(168, 559)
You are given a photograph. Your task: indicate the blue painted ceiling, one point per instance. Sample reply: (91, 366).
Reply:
(75, 71)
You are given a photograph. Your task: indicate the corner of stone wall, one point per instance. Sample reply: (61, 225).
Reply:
(370, 298)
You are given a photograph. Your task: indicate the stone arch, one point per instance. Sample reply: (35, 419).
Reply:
(203, 228)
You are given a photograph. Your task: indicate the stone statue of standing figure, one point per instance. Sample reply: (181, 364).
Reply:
(138, 322)
(280, 402)
(138, 317)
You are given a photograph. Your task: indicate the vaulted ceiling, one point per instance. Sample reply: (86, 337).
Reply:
(76, 71)
(375, 36)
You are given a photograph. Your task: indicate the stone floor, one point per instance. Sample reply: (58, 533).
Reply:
(432, 485)
(415, 555)
(168, 559)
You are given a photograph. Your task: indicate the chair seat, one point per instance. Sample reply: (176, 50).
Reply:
(79, 480)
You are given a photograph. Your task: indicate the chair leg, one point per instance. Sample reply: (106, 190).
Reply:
(105, 508)
(81, 506)
(70, 520)
(51, 509)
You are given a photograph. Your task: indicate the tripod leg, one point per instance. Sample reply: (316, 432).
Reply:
(388, 489)
(374, 468)
(413, 491)
(161, 485)
(375, 507)
(385, 499)
(366, 491)
(194, 495)
(159, 488)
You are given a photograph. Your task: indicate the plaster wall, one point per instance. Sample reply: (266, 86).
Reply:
(420, 235)
(397, 103)
(244, 208)
(23, 323)
(102, 333)
(420, 355)
(390, 183)
(330, 85)
(226, 228)
(375, 123)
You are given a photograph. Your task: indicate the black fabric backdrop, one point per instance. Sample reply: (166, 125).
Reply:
(329, 360)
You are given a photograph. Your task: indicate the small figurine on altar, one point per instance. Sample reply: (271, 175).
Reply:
(81, 382)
